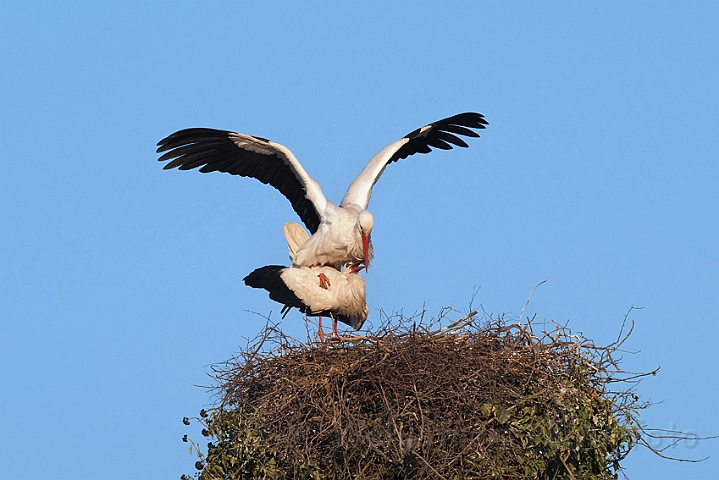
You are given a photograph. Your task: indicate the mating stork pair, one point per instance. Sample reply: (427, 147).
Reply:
(323, 279)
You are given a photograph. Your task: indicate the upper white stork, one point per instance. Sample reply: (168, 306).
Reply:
(340, 235)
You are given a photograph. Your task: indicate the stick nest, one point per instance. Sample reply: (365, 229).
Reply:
(443, 400)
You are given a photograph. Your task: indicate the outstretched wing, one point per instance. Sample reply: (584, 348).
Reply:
(271, 163)
(442, 134)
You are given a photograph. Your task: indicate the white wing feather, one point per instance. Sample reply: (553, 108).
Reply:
(360, 189)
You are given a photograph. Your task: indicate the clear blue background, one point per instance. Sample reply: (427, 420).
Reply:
(120, 283)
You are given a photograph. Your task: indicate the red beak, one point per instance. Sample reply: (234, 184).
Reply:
(365, 249)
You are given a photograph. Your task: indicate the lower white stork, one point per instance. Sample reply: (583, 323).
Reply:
(343, 298)
(340, 234)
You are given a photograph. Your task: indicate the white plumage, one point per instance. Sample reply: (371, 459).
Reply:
(345, 296)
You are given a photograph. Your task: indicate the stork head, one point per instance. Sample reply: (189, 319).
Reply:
(365, 221)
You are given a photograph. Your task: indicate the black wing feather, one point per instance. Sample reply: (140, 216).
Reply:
(460, 130)
(439, 135)
(214, 151)
(453, 139)
(438, 143)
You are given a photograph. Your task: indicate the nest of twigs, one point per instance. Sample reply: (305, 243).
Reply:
(443, 400)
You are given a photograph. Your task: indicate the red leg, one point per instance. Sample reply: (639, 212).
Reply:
(320, 333)
(324, 281)
(334, 328)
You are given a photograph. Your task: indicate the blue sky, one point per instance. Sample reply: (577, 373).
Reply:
(120, 283)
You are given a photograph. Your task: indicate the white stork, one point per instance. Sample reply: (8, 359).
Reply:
(343, 298)
(340, 235)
